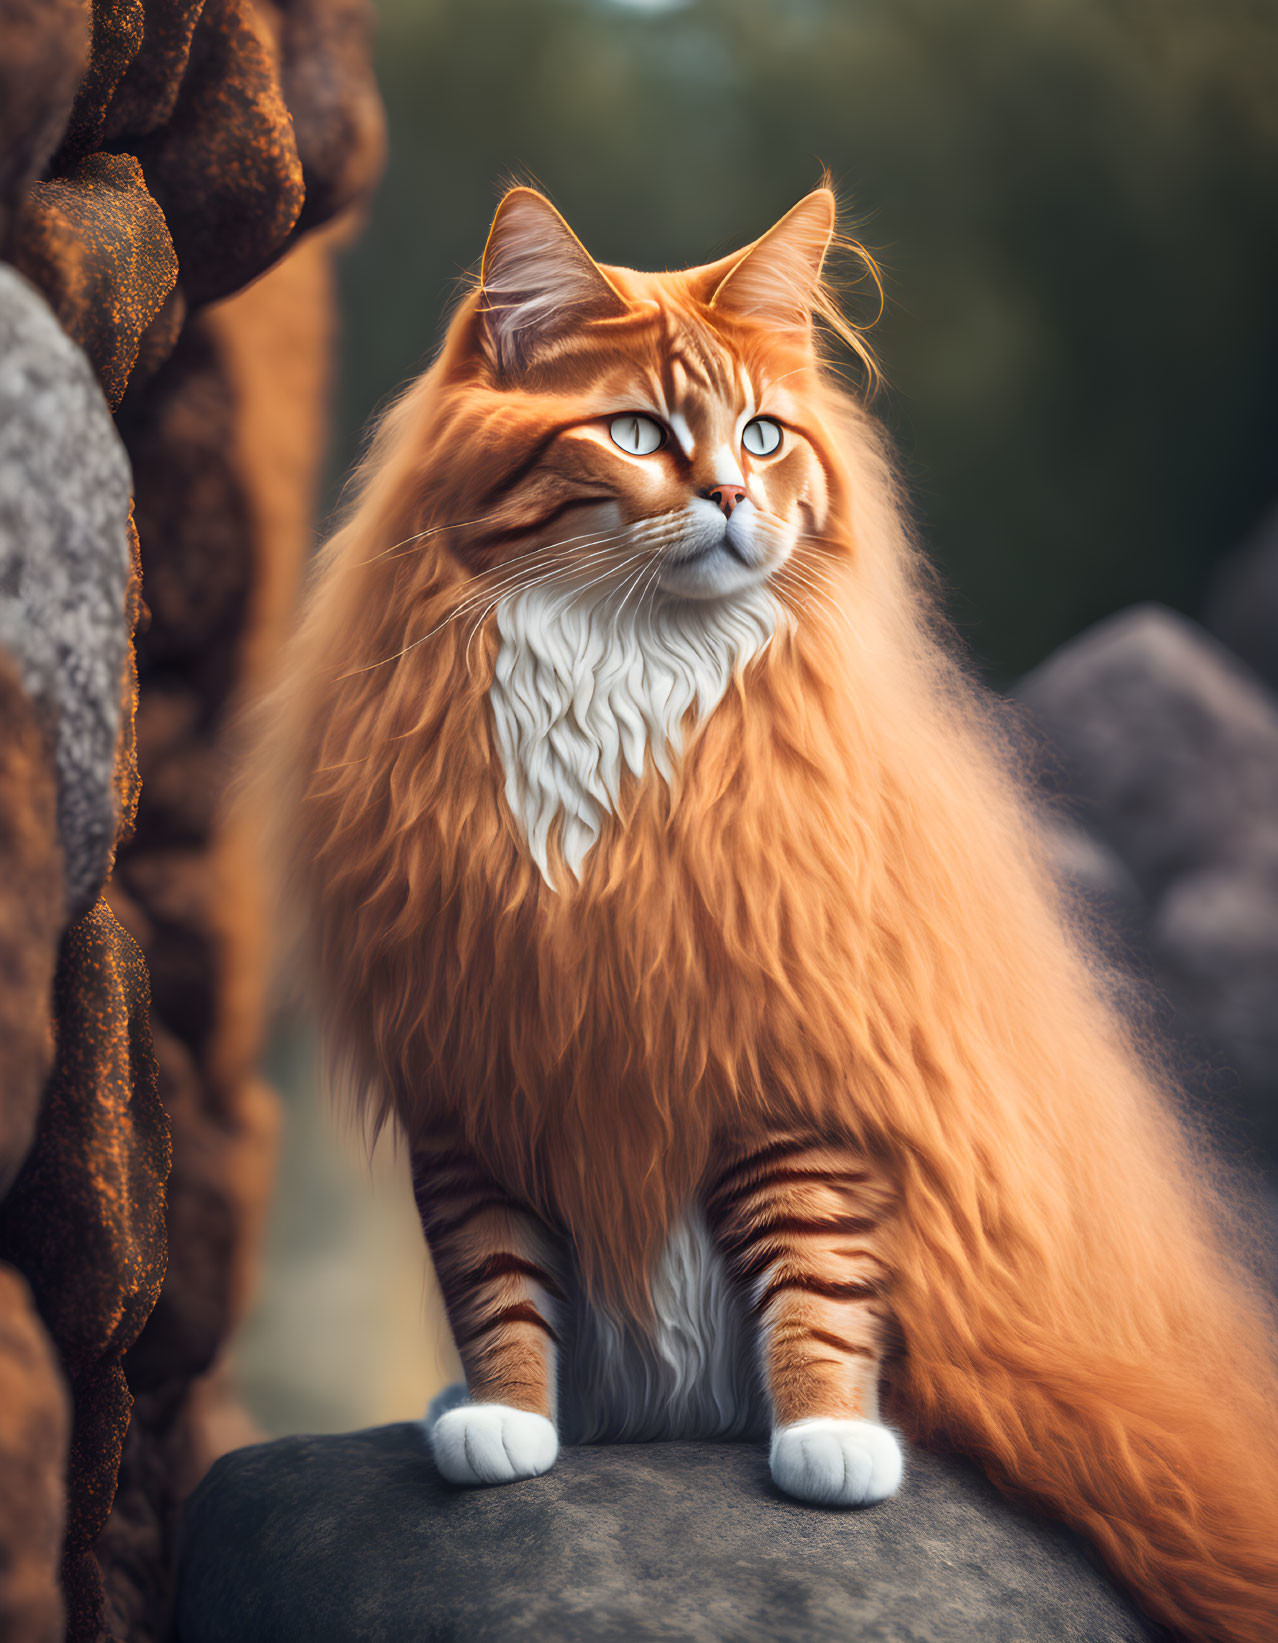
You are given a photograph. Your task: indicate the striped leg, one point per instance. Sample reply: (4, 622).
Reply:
(493, 1258)
(801, 1225)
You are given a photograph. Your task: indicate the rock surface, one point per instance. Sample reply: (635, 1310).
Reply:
(97, 245)
(46, 46)
(32, 908)
(35, 1428)
(84, 1221)
(1167, 747)
(154, 155)
(65, 565)
(1169, 744)
(339, 1539)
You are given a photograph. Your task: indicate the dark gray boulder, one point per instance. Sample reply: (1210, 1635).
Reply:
(1168, 744)
(1166, 748)
(64, 567)
(1215, 934)
(1106, 901)
(355, 1537)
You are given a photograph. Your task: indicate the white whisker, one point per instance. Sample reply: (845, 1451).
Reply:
(545, 582)
(424, 535)
(507, 585)
(815, 595)
(594, 683)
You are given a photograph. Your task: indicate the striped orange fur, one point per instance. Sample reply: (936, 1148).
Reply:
(813, 980)
(804, 1228)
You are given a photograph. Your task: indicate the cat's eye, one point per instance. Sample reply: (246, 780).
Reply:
(761, 436)
(637, 435)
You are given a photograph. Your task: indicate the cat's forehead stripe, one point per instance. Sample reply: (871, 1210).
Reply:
(693, 380)
(719, 362)
(700, 377)
(684, 370)
(680, 381)
(658, 390)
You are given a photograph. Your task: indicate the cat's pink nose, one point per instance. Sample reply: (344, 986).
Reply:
(726, 497)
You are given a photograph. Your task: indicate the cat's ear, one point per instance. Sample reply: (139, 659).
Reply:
(775, 279)
(537, 282)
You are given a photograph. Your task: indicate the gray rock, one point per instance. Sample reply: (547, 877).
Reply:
(64, 567)
(1215, 941)
(1168, 748)
(1106, 898)
(1242, 605)
(354, 1537)
(1169, 745)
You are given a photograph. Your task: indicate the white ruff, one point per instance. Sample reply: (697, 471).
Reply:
(588, 686)
(692, 1374)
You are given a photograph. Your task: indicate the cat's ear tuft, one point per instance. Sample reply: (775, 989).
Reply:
(776, 279)
(537, 282)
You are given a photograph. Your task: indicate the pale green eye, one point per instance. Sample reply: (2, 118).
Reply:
(761, 436)
(637, 435)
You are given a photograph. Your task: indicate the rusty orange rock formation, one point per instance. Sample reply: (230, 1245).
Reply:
(155, 157)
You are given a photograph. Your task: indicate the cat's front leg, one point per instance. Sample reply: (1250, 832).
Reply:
(801, 1223)
(494, 1260)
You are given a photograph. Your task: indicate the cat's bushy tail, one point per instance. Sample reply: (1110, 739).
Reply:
(1075, 1283)
(1160, 1450)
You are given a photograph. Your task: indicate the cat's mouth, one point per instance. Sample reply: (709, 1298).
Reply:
(719, 557)
(727, 545)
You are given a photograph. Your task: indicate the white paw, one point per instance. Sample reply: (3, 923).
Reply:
(836, 1462)
(490, 1443)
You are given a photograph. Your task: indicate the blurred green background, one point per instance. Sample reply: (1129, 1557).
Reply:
(1074, 205)
(1073, 202)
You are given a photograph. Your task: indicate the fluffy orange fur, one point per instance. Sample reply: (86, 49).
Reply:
(837, 916)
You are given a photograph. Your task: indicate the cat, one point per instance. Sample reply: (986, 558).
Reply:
(666, 882)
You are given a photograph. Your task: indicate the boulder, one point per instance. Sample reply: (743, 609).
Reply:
(84, 1221)
(137, 136)
(35, 1430)
(32, 907)
(356, 1537)
(1166, 748)
(46, 47)
(224, 166)
(1101, 894)
(65, 569)
(333, 99)
(1168, 744)
(96, 244)
(1215, 938)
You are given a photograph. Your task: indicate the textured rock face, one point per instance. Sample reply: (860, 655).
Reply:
(97, 245)
(35, 1426)
(154, 155)
(1168, 748)
(46, 47)
(85, 1218)
(355, 1539)
(32, 909)
(224, 167)
(65, 566)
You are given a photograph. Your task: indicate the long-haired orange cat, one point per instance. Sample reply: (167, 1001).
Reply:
(664, 883)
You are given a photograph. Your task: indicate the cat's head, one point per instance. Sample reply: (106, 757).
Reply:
(656, 432)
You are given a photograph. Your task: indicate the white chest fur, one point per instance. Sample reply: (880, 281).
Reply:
(691, 1373)
(588, 687)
